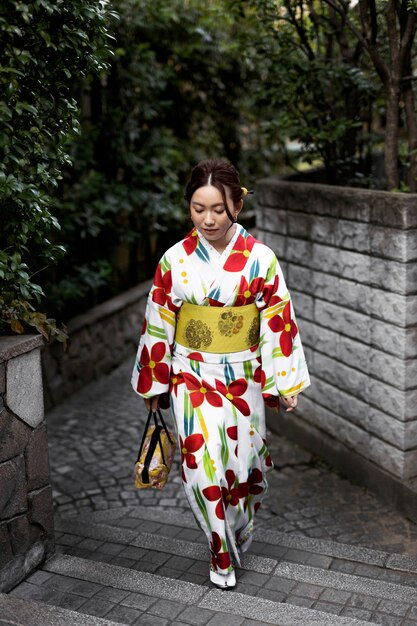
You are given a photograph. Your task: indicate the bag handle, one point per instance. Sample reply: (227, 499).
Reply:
(155, 415)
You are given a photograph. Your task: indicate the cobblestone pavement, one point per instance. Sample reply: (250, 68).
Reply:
(93, 440)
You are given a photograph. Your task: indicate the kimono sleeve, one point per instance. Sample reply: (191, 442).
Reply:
(284, 369)
(151, 372)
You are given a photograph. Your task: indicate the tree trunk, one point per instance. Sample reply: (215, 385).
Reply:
(391, 135)
(411, 122)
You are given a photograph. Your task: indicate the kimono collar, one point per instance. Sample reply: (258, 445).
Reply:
(228, 248)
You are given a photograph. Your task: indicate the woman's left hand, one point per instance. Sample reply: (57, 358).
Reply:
(290, 403)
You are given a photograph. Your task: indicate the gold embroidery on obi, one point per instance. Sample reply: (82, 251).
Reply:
(217, 329)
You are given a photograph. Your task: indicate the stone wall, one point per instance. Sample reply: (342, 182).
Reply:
(349, 257)
(26, 516)
(99, 341)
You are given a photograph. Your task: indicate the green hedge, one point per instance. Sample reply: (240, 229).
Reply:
(45, 46)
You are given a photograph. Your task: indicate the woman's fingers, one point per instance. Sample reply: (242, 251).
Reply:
(151, 403)
(291, 403)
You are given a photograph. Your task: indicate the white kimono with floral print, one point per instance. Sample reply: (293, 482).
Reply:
(216, 399)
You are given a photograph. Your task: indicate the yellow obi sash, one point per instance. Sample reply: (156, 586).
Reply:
(217, 329)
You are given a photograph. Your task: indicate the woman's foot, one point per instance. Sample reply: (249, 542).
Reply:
(223, 581)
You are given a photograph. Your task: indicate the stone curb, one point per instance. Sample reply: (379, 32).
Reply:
(123, 578)
(30, 613)
(346, 582)
(159, 543)
(272, 612)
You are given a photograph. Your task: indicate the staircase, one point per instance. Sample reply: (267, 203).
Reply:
(149, 566)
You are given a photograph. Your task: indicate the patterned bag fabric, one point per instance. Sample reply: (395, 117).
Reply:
(156, 454)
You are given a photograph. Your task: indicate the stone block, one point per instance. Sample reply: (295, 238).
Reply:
(381, 453)
(274, 220)
(14, 345)
(41, 511)
(325, 286)
(259, 213)
(353, 295)
(393, 243)
(342, 263)
(321, 339)
(2, 377)
(359, 412)
(341, 376)
(6, 553)
(342, 320)
(24, 395)
(393, 370)
(394, 276)
(299, 225)
(13, 488)
(300, 278)
(303, 303)
(355, 354)
(410, 464)
(401, 404)
(14, 436)
(19, 534)
(401, 342)
(398, 213)
(352, 236)
(299, 251)
(36, 457)
(393, 307)
(277, 243)
(324, 230)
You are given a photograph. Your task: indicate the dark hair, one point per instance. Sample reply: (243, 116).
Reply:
(217, 172)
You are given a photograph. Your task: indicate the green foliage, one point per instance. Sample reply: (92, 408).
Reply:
(45, 46)
(174, 93)
(314, 89)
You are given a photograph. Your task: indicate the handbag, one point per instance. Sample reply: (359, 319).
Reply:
(156, 454)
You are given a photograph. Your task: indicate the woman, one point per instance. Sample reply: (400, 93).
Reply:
(221, 336)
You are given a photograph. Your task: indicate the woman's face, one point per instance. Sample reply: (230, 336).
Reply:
(209, 216)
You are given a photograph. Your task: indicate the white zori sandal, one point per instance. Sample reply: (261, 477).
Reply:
(223, 581)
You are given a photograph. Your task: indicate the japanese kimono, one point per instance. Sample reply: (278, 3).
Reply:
(216, 398)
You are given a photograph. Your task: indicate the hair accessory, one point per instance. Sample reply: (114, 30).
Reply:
(246, 192)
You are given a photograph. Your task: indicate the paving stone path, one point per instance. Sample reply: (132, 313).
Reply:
(93, 439)
(326, 552)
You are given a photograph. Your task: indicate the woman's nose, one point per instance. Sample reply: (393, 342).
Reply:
(209, 219)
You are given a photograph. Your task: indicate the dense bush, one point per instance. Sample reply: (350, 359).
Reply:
(340, 78)
(175, 92)
(45, 44)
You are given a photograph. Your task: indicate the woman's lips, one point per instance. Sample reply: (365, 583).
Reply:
(210, 230)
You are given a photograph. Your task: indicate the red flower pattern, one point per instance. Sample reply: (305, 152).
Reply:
(214, 494)
(230, 494)
(270, 293)
(233, 391)
(189, 446)
(162, 286)
(175, 380)
(240, 253)
(247, 292)
(219, 559)
(200, 391)
(287, 327)
(190, 242)
(151, 367)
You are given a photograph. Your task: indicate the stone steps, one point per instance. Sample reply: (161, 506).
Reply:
(118, 570)
(17, 611)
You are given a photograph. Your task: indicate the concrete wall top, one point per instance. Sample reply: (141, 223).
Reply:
(386, 208)
(14, 345)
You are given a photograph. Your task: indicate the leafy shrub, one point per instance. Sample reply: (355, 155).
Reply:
(45, 45)
(174, 93)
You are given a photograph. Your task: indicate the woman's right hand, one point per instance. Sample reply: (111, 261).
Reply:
(152, 403)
